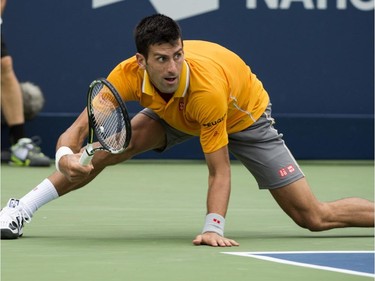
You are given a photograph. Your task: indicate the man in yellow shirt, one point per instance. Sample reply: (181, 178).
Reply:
(194, 88)
(210, 75)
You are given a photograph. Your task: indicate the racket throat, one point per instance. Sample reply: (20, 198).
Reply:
(90, 150)
(87, 155)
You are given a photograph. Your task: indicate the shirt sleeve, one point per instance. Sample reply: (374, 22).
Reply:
(126, 79)
(210, 110)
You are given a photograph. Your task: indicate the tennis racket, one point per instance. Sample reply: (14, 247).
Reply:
(109, 122)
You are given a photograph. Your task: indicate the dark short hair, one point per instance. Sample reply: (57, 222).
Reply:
(155, 29)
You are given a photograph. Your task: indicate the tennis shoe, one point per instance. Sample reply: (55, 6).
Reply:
(26, 152)
(12, 219)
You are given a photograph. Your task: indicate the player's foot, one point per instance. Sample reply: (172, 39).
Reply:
(27, 153)
(12, 218)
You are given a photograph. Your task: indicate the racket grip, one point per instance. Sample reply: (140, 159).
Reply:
(85, 158)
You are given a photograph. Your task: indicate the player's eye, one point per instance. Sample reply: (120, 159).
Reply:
(161, 59)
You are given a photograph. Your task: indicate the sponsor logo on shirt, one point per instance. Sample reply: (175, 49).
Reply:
(213, 123)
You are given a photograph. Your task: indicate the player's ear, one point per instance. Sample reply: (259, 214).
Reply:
(141, 60)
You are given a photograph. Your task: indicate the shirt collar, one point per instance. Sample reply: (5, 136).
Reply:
(149, 89)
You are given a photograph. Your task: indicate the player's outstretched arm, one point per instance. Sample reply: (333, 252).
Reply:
(72, 140)
(217, 200)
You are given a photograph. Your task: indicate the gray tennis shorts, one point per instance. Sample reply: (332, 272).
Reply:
(260, 148)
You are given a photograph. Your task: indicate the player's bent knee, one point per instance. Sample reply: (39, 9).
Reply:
(312, 222)
(314, 225)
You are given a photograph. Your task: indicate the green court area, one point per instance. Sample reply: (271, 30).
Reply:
(136, 222)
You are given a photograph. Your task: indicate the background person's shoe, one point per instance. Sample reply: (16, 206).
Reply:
(27, 153)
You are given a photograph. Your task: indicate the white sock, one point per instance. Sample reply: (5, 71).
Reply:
(40, 195)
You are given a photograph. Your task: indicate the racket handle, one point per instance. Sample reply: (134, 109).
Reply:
(85, 158)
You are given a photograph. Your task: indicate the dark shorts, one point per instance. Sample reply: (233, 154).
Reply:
(4, 51)
(260, 148)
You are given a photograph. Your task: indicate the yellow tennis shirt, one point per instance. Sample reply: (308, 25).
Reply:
(218, 94)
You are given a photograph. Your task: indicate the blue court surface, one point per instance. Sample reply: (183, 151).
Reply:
(350, 262)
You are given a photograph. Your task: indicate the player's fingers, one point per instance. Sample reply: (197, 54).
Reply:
(201, 240)
(225, 242)
(78, 173)
(230, 243)
(214, 241)
(221, 242)
(198, 240)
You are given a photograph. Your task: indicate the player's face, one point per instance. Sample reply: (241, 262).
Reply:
(164, 65)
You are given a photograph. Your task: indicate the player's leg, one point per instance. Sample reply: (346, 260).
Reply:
(297, 200)
(147, 134)
(11, 95)
(261, 149)
(13, 110)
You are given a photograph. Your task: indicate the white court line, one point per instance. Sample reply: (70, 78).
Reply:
(257, 255)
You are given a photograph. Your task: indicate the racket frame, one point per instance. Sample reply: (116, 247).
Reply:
(90, 150)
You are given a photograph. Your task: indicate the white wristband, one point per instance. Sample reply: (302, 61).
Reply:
(63, 150)
(214, 223)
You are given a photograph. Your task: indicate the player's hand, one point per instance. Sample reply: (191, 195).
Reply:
(71, 168)
(213, 239)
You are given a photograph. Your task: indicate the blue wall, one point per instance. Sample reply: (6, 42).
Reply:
(316, 59)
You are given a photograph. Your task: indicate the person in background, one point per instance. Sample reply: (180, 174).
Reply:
(24, 151)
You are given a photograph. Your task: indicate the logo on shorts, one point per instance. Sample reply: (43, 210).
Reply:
(283, 172)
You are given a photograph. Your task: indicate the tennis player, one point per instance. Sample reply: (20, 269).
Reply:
(194, 89)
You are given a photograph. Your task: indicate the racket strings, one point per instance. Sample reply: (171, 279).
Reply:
(108, 121)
